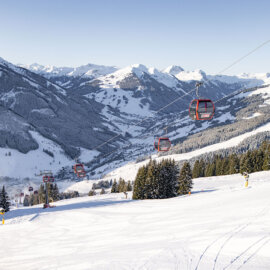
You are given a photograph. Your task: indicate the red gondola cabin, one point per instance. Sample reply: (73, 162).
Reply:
(45, 178)
(51, 179)
(79, 170)
(201, 109)
(162, 144)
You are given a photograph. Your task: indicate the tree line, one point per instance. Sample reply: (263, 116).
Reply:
(121, 186)
(160, 180)
(53, 195)
(250, 161)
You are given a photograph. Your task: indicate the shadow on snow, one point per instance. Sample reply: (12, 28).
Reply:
(39, 210)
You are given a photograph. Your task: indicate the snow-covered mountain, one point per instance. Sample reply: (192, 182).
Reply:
(41, 125)
(120, 109)
(89, 70)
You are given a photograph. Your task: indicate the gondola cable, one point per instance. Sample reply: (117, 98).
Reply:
(180, 97)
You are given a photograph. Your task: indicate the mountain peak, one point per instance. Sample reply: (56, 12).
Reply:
(173, 70)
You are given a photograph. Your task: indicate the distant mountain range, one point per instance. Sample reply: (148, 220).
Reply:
(75, 111)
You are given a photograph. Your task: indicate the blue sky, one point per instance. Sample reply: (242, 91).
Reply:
(193, 34)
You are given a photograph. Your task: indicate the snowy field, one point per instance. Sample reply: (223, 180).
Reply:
(221, 225)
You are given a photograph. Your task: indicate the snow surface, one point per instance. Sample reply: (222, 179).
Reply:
(20, 165)
(121, 99)
(221, 225)
(173, 70)
(196, 75)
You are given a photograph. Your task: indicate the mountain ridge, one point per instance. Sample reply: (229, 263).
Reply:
(80, 113)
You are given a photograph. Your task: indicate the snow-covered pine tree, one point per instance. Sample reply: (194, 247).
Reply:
(185, 179)
(4, 200)
(102, 191)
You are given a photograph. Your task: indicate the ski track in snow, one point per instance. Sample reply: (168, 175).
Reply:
(236, 232)
(255, 252)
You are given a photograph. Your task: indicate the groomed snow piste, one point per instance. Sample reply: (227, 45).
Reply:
(221, 225)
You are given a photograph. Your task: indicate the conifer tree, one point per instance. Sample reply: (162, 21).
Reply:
(26, 201)
(219, 166)
(139, 184)
(91, 193)
(207, 169)
(55, 192)
(243, 163)
(259, 160)
(41, 194)
(151, 183)
(210, 169)
(248, 162)
(4, 200)
(121, 185)
(35, 200)
(266, 159)
(185, 179)
(114, 188)
(196, 169)
(31, 200)
(225, 166)
(168, 182)
(202, 167)
(102, 191)
(50, 191)
(264, 146)
(129, 186)
(233, 164)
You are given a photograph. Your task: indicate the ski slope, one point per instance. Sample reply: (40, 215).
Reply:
(221, 225)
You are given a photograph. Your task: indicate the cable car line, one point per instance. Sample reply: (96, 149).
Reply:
(187, 93)
(139, 136)
(179, 98)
